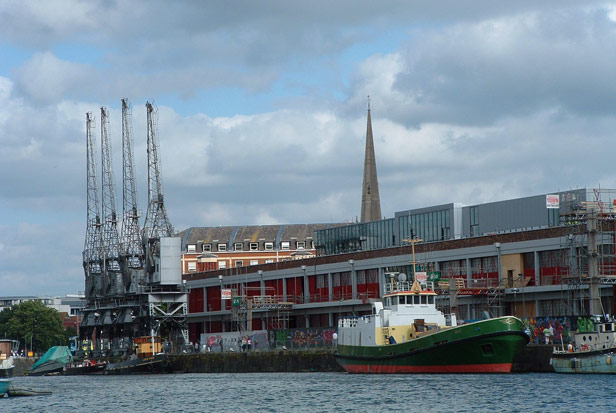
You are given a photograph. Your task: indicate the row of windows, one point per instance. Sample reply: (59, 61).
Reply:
(253, 246)
(410, 299)
(429, 226)
(364, 236)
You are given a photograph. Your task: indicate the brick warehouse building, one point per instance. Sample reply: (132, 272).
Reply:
(527, 257)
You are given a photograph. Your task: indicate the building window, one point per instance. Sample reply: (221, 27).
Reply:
(269, 246)
(207, 247)
(192, 248)
(284, 245)
(301, 245)
(474, 220)
(269, 261)
(222, 247)
(192, 266)
(239, 263)
(222, 264)
(254, 246)
(254, 262)
(238, 246)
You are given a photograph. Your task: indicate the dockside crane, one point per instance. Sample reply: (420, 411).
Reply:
(93, 254)
(133, 281)
(157, 222)
(168, 302)
(132, 247)
(113, 284)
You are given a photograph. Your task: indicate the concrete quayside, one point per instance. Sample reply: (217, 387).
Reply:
(534, 358)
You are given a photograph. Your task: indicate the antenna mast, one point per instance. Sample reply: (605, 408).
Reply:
(111, 240)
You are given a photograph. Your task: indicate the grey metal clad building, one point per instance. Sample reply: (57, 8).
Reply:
(452, 221)
(517, 214)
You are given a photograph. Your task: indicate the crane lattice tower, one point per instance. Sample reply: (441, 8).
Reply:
(111, 239)
(93, 253)
(156, 220)
(132, 247)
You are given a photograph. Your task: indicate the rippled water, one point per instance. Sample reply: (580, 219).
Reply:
(317, 392)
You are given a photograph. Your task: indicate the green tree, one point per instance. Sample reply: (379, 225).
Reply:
(33, 322)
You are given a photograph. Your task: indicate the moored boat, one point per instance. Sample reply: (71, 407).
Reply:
(6, 365)
(156, 364)
(593, 350)
(407, 334)
(147, 358)
(84, 367)
(52, 362)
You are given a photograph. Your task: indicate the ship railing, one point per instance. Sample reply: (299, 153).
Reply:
(397, 286)
(353, 321)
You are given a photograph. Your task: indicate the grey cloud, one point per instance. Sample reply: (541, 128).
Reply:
(478, 73)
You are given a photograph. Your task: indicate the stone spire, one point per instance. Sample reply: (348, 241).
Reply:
(370, 200)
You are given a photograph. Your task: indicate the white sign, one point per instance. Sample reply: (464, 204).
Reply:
(421, 277)
(225, 294)
(552, 202)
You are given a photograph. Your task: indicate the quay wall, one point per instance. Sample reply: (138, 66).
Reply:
(22, 366)
(534, 358)
(257, 362)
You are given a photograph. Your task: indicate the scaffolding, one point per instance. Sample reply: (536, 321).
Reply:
(591, 247)
(276, 309)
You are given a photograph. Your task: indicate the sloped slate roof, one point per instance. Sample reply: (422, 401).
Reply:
(253, 233)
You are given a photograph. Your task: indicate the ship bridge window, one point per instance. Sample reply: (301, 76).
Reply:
(388, 302)
(416, 299)
(424, 299)
(430, 299)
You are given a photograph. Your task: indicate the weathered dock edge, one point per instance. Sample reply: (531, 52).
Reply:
(533, 359)
(257, 362)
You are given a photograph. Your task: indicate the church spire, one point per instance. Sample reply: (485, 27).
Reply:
(370, 200)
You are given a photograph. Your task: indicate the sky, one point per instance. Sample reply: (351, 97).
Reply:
(262, 110)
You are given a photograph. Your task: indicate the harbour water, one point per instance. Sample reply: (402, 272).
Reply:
(317, 392)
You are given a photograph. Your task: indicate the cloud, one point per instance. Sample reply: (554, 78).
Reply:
(44, 78)
(480, 102)
(480, 72)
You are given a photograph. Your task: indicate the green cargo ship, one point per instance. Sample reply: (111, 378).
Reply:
(407, 334)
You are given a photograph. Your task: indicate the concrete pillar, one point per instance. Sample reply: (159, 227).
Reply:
(353, 280)
(306, 286)
(382, 281)
(537, 268)
(284, 290)
(469, 273)
(330, 287)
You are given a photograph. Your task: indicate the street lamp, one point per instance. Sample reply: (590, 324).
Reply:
(515, 301)
(304, 283)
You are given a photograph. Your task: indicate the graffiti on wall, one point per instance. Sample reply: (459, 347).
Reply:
(303, 337)
(559, 329)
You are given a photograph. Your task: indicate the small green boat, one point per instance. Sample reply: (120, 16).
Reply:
(52, 362)
(407, 334)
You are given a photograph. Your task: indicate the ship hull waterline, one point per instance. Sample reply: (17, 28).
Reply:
(458, 350)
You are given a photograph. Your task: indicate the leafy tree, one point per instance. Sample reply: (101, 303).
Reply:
(32, 321)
